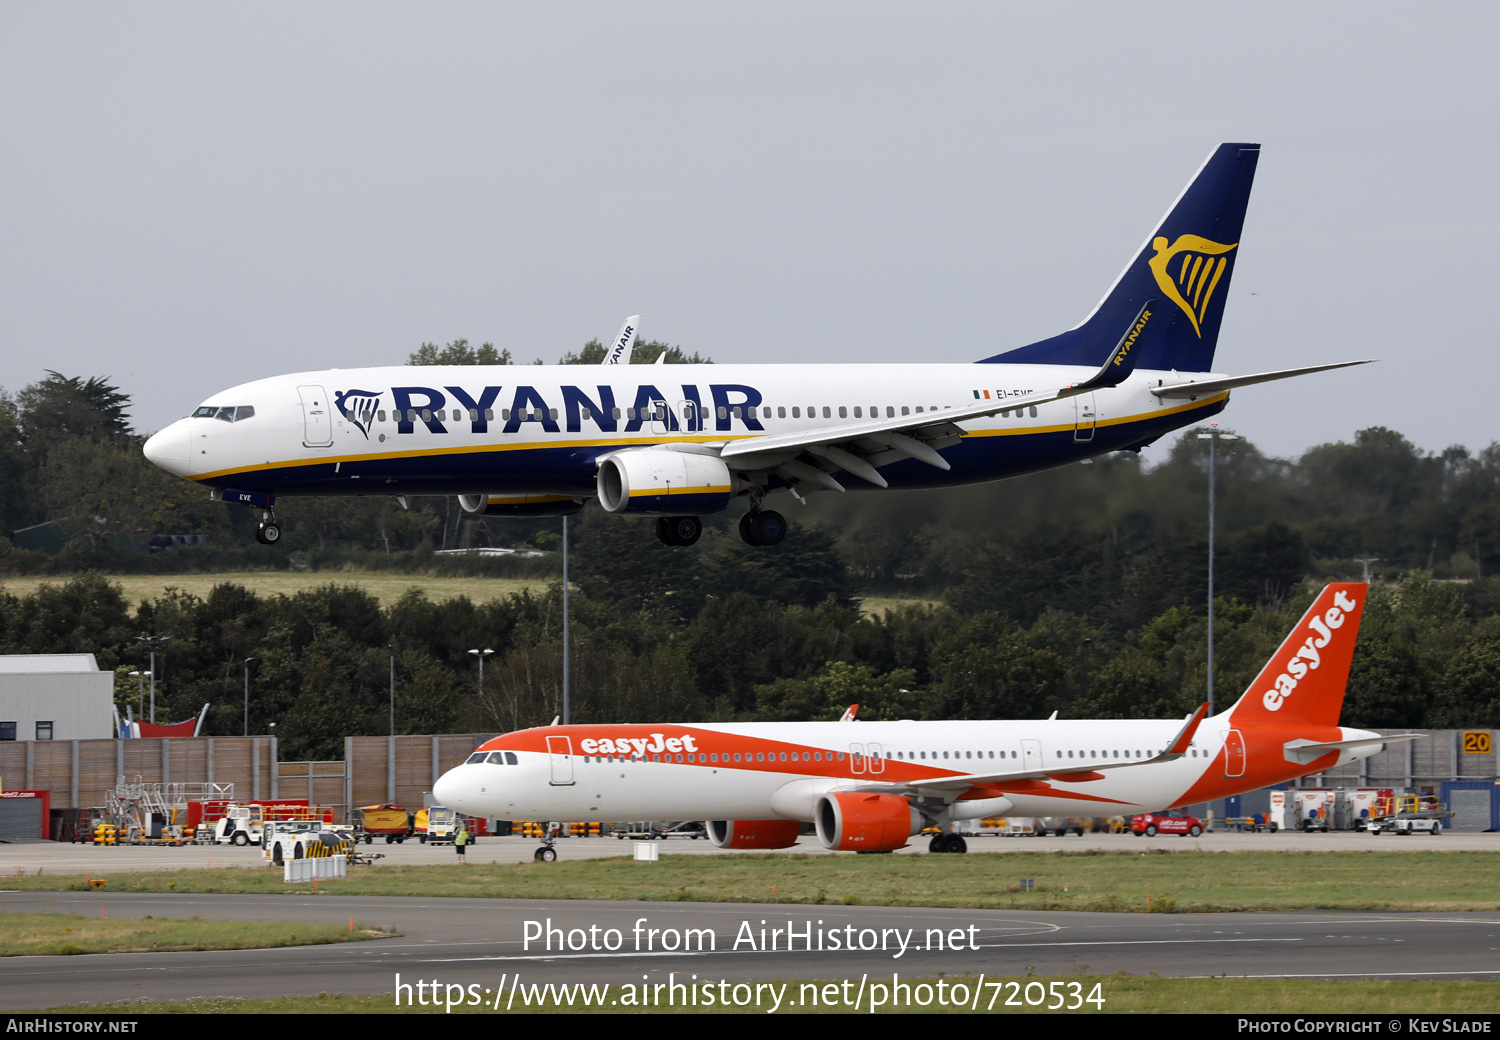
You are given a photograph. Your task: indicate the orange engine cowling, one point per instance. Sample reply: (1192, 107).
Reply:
(754, 834)
(850, 821)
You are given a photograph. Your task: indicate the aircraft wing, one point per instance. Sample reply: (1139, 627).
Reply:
(956, 785)
(861, 447)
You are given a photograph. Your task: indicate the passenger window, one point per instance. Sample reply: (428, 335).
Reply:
(723, 412)
(827, 412)
(1033, 411)
(858, 412)
(796, 412)
(843, 412)
(781, 413)
(381, 415)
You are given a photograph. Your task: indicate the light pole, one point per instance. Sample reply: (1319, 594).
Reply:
(391, 647)
(247, 693)
(1213, 435)
(141, 677)
(153, 642)
(481, 654)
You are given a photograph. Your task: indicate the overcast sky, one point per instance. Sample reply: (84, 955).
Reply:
(201, 194)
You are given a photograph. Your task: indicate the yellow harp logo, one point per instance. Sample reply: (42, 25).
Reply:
(1190, 284)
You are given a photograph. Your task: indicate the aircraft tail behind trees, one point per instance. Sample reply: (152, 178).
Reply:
(1183, 270)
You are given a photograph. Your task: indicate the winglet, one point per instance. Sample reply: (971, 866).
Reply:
(1179, 745)
(619, 350)
(1121, 361)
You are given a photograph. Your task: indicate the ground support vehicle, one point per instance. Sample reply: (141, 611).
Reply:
(391, 822)
(1061, 826)
(288, 839)
(1421, 822)
(1256, 823)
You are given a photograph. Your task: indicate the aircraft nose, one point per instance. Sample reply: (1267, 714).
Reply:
(169, 449)
(452, 791)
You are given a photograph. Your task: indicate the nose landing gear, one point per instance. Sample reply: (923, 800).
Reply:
(269, 531)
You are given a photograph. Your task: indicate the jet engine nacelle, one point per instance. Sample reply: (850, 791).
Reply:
(852, 821)
(657, 482)
(533, 504)
(754, 834)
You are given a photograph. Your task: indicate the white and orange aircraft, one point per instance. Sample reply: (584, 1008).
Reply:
(870, 786)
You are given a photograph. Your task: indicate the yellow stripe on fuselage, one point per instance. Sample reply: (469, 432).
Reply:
(648, 440)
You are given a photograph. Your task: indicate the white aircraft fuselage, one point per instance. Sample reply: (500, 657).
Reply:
(541, 430)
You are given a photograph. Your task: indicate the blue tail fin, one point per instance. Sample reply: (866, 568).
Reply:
(1185, 266)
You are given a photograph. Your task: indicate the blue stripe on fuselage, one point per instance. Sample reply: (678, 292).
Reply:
(569, 469)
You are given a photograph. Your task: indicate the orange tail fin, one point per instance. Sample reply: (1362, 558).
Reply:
(1304, 680)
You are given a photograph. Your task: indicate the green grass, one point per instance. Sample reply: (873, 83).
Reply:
(1149, 880)
(388, 588)
(24, 935)
(1122, 994)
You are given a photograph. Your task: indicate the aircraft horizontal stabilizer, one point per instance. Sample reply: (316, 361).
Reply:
(1204, 387)
(1304, 752)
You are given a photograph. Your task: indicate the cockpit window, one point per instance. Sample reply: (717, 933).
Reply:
(225, 413)
(478, 756)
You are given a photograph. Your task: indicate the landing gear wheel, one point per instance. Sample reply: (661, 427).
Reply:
(545, 854)
(268, 534)
(937, 843)
(679, 530)
(955, 843)
(766, 527)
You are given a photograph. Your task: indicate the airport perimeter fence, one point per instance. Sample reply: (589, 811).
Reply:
(402, 770)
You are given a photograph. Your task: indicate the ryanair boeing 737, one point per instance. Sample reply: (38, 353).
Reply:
(683, 442)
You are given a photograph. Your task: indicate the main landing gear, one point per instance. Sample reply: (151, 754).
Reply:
(678, 530)
(947, 843)
(762, 527)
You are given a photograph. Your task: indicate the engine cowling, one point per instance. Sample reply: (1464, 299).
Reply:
(526, 504)
(657, 482)
(754, 834)
(852, 821)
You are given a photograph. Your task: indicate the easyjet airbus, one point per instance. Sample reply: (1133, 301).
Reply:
(683, 442)
(870, 786)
